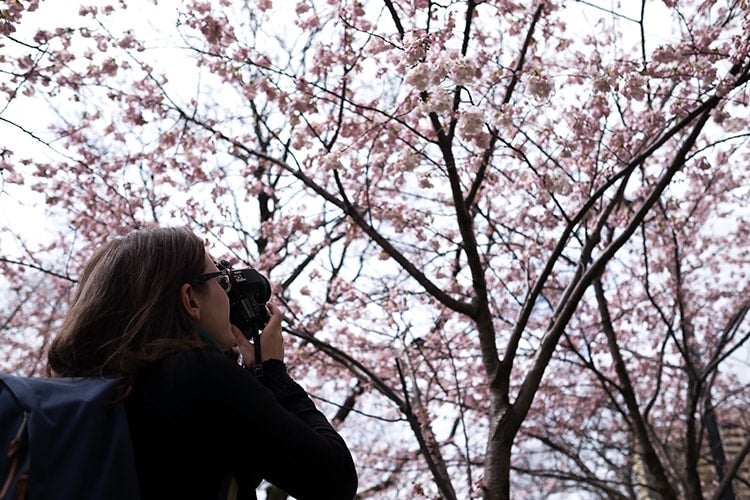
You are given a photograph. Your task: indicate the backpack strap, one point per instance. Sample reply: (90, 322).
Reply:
(18, 454)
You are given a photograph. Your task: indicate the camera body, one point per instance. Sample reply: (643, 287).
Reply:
(248, 294)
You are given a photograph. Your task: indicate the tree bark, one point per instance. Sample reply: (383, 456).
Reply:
(496, 485)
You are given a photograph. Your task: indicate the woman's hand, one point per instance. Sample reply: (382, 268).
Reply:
(271, 340)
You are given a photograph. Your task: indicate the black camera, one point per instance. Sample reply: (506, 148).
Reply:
(248, 293)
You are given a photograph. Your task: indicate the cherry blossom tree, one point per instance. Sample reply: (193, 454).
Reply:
(510, 239)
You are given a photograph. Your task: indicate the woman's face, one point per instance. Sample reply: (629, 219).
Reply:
(214, 308)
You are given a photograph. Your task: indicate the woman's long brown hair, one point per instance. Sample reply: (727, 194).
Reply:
(126, 312)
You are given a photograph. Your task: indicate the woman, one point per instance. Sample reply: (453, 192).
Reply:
(151, 307)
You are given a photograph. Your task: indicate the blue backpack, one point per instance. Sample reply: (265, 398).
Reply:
(64, 438)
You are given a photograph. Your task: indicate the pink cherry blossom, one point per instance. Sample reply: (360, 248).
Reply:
(513, 236)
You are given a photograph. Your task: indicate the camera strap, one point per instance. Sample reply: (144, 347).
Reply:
(258, 368)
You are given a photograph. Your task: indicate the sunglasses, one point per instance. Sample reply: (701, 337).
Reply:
(224, 280)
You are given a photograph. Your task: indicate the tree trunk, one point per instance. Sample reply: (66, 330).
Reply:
(496, 484)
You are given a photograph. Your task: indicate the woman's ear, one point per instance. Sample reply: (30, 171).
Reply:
(190, 302)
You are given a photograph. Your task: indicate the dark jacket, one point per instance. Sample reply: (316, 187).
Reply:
(197, 418)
